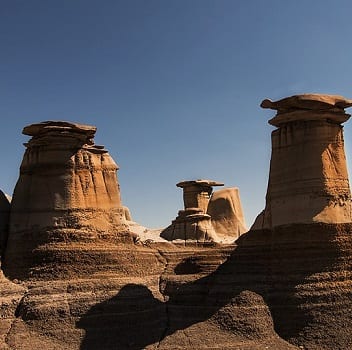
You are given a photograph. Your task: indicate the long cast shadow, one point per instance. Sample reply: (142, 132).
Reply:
(269, 263)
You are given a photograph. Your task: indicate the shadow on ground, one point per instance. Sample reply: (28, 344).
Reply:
(271, 264)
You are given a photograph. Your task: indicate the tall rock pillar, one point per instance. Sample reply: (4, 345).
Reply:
(66, 181)
(308, 179)
(67, 191)
(193, 223)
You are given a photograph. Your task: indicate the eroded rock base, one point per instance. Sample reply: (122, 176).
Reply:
(284, 288)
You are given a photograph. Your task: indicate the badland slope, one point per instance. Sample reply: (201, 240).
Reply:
(75, 280)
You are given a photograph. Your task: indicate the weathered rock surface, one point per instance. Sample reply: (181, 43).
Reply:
(193, 223)
(276, 286)
(312, 102)
(10, 296)
(308, 179)
(65, 181)
(226, 213)
(165, 306)
(197, 193)
(67, 191)
(4, 220)
(284, 287)
(207, 216)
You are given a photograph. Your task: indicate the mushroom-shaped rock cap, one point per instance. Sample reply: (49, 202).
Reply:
(308, 107)
(307, 102)
(199, 182)
(59, 126)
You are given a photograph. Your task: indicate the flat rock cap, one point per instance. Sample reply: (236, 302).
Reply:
(307, 102)
(199, 182)
(59, 126)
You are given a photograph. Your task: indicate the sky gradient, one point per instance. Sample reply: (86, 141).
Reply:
(174, 86)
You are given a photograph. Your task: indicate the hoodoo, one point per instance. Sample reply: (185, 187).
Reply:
(207, 216)
(226, 213)
(193, 222)
(66, 181)
(308, 179)
(67, 190)
(75, 279)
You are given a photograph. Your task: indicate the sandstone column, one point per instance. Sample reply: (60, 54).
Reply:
(66, 183)
(196, 193)
(193, 223)
(226, 213)
(308, 179)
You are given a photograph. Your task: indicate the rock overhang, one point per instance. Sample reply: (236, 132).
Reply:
(59, 126)
(199, 182)
(308, 107)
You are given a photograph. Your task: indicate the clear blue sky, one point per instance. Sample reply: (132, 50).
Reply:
(174, 86)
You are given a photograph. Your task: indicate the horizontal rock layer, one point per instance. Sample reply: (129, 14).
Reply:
(308, 179)
(285, 284)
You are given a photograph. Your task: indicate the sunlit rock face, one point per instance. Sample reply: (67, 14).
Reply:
(67, 191)
(65, 181)
(226, 213)
(308, 179)
(207, 215)
(193, 223)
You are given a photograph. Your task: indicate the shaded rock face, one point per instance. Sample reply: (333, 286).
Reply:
(226, 213)
(283, 288)
(67, 191)
(308, 179)
(4, 220)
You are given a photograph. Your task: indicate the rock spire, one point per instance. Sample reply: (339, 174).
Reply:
(67, 189)
(193, 223)
(207, 215)
(65, 181)
(308, 179)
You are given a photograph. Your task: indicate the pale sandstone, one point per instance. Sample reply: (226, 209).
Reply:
(193, 223)
(196, 193)
(127, 213)
(67, 189)
(308, 179)
(207, 216)
(66, 181)
(226, 213)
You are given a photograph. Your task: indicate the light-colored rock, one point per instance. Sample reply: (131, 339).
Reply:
(127, 214)
(67, 191)
(66, 181)
(318, 102)
(226, 213)
(308, 179)
(144, 234)
(196, 193)
(193, 223)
